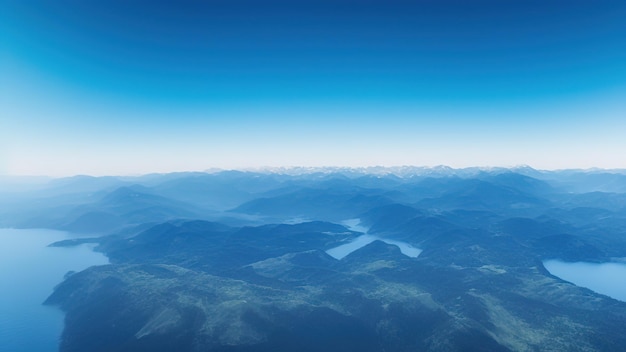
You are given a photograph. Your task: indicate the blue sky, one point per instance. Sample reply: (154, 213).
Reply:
(127, 87)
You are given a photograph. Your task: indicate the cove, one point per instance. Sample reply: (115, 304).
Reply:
(29, 270)
(605, 278)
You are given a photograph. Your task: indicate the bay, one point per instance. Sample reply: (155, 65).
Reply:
(605, 278)
(29, 271)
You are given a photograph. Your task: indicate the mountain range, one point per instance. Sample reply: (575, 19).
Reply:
(238, 261)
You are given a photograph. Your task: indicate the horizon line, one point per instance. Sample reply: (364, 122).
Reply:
(285, 170)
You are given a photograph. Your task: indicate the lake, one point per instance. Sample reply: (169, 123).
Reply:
(29, 270)
(343, 250)
(605, 278)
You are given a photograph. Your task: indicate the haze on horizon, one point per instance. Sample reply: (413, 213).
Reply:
(131, 87)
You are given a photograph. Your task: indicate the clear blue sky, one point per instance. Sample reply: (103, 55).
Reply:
(126, 87)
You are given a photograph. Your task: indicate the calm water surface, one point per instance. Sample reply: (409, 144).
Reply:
(355, 225)
(605, 278)
(29, 270)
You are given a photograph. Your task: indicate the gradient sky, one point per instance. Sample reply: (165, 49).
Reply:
(128, 87)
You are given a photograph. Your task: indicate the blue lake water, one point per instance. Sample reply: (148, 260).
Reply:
(605, 278)
(29, 270)
(343, 250)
